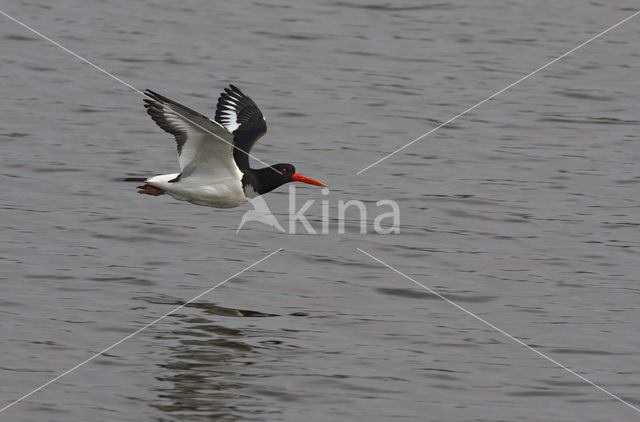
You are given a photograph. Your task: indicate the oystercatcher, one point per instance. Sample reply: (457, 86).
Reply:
(214, 154)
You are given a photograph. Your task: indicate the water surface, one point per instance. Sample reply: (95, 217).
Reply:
(524, 211)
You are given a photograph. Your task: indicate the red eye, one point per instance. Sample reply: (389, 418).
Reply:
(283, 171)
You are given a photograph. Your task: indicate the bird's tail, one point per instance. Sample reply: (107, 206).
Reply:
(135, 179)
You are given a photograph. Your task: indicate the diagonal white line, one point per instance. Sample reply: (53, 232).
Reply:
(499, 92)
(136, 332)
(125, 83)
(500, 330)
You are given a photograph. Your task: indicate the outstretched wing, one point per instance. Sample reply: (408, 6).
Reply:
(240, 115)
(203, 144)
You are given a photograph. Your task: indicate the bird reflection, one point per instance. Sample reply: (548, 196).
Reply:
(200, 372)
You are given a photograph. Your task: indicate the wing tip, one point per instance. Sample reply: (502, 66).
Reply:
(155, 96)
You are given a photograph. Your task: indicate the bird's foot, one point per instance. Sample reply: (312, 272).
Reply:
(150, 190)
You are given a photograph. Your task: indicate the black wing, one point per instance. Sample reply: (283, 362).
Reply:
(241, 116)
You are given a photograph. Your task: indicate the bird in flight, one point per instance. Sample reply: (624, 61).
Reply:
(214, 154)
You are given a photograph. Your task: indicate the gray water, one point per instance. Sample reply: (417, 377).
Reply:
(524, 212)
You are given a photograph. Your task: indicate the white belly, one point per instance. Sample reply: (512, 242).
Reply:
(222, 193)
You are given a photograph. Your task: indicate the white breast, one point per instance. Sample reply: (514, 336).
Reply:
(224, 192)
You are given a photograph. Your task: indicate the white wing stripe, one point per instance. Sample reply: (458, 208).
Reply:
(231, 117)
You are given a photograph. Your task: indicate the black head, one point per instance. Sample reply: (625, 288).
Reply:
(286, 171)
(269, 178)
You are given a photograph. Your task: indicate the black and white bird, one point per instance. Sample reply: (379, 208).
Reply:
(214, 154)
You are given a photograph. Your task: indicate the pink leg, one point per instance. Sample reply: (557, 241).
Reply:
(150, 190)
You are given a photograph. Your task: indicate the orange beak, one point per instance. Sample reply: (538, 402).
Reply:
(300, 178)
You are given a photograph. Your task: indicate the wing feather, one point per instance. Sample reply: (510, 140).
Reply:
(239, 114)
(202, 143)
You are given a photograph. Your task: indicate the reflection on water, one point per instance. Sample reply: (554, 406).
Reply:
(197, 368)
(201, 368)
